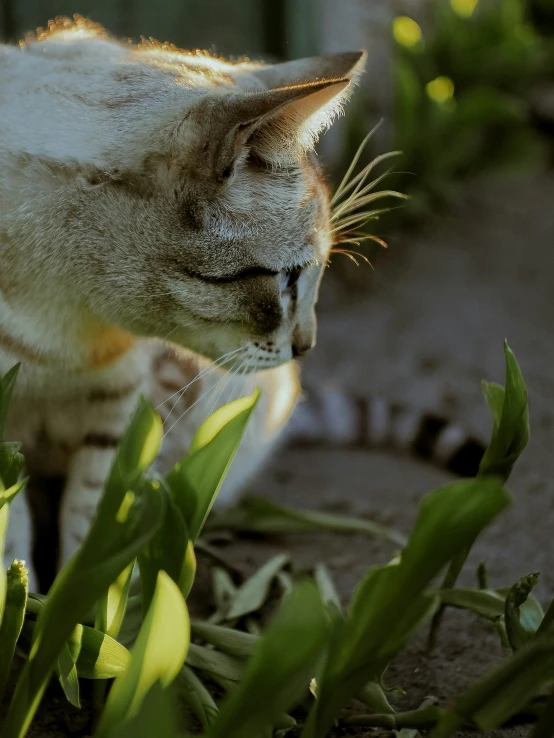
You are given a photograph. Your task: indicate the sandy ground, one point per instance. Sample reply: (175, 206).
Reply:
(428, 327)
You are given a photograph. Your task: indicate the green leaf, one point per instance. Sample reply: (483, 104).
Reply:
(11, 463)
(67, 672)
(327, 588)
(262, 516)
(516, 597)
(279, 673)
(223, 591)
(4, 516)
(215, 664)
(233, 642)
(124, 523)
(170, 550)
(510, 433)
(544, 727)
(198, 698)
(503, 692)
(157, 656)
(12, 619)
(195, 481)
(95, 654)
(112, 606)
(156, 716)
(487, 603)
(7, 384)
(494, 397)
(391, 601)
(254, 592)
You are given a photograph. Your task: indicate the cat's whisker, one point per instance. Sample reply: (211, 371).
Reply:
(356, 200)
(241, 371)
(211, 389)
(231, 375)
(239, 383)
(201, 374)
(360, 219)
(342, 188)
(359, 180)
(173, 331)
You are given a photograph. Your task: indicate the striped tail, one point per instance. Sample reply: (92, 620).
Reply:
(328, 417)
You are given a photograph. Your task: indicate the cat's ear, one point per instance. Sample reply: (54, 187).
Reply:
(277, 124)
(346, 65)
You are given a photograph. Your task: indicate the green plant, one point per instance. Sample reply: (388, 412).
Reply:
(463, 97)
(311, 645)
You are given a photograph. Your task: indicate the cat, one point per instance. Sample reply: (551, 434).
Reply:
(164, 226)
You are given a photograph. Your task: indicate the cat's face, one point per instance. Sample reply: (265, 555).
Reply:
(217, 235)
(233, 275)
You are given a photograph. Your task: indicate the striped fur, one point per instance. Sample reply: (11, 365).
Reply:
(339, 419)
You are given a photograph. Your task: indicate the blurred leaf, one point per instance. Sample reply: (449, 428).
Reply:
(482, 106)
(374, 697)
(544, 727)
(12, 619)
(487, 603)
(11, 463)
(223, 591)
(195, 481)
(285, 582)
(215, 663)
(254, 592)
(156, 716)
(326, 587)
(279, 673)
(262, 516)
(228, 640)
(112, 543)
(157, 656)
(7, 384)
(503, 692)
(197, 697)
(391, 601)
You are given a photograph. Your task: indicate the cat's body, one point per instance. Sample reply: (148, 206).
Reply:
(149, 195)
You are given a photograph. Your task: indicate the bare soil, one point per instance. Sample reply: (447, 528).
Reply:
(428, 327)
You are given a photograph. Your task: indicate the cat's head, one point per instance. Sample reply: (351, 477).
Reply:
(205, 218)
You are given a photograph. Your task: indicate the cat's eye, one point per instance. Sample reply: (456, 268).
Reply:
(289, 278)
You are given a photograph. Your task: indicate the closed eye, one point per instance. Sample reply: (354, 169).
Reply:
(289, 278)
(245, 274)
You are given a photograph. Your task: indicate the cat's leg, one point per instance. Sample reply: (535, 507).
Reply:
(19, 537)
(89, 466)
(88, 470)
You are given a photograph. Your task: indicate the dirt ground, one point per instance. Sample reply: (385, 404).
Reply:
(429, 326)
